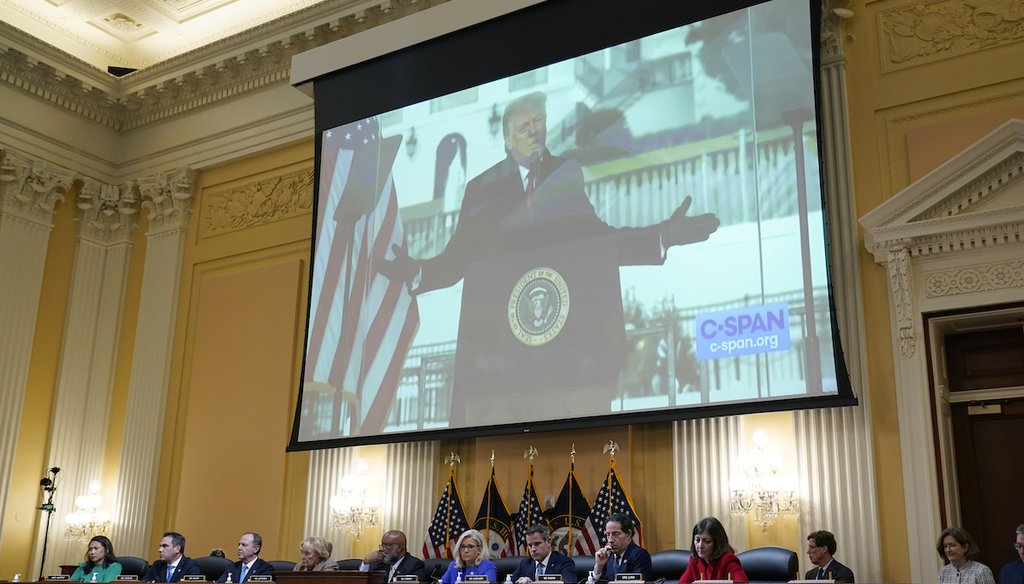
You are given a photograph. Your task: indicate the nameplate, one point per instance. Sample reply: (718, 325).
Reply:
(476, 578)
(406, 578)
(629, 577)
(549, 578)
(127, 578)
(193, 578)
(58, 577)
(260, 578)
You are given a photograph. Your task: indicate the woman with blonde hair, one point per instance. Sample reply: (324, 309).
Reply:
(471, 559)
(315, 555)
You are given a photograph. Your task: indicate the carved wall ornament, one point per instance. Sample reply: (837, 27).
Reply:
(107, 212)
(833, 37)
(168, 198)
(997, 179)
(980, 278)
(924, 32)
(31, 188)
(257, 203)
(901, 290)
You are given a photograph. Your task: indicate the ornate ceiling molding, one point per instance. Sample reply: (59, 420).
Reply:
(201, 78)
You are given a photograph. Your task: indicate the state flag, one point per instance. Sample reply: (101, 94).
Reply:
(494, 520)
(569, 517)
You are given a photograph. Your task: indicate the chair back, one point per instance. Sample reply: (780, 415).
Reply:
(349, 564)
(132, 566)
(584, 565)
(769, 564)
(670, 564)
(506, 565)
(282, 565)
(435, 568)
(212, 567)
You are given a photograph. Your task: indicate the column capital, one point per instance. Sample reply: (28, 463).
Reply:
(107, 213)
(30, 188)
(833, 38)
(168, 198)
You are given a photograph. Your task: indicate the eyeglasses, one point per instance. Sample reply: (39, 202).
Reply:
(390, 545)
(1018, 546)
(468, 546)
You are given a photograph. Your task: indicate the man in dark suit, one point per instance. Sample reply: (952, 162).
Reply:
(249, 562)
(541, 298)
(620, 555)
(821, 545)
(394, 559)
(1013, 573)
(543, 560)
(173, 563)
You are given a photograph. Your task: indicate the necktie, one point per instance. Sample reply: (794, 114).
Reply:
(531, 185)
(170, 572)
(821, 573)
(540, 570)
(241, 577)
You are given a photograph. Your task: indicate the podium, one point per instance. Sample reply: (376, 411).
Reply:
(339, 577)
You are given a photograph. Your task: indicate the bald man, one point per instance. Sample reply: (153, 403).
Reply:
(394, 559)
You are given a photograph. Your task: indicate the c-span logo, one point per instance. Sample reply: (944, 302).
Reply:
(538, 306)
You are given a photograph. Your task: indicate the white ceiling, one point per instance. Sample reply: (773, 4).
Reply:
(139, 33)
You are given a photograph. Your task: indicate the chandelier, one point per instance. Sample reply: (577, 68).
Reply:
(87, 519)
(354, 510)
(757, 490)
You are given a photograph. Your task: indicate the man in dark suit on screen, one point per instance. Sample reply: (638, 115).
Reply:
(820, 547)
(249, 562)
(173, 563)
(394, 559)
(543, 560)
(541, 299)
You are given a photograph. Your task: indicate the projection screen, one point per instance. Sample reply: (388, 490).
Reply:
(546, 221)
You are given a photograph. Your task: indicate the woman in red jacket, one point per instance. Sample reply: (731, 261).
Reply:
(712, 557)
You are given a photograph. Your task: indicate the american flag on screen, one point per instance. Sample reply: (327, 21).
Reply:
(612, 498)
(448, 524)
(530, 513)
(362, 323)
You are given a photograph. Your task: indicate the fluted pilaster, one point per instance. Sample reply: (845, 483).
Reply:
(835, 454)
(85, 382)
(168, 198)
(29, 191)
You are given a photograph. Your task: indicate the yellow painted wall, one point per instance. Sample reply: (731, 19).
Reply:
(239, 334)
(897, 91)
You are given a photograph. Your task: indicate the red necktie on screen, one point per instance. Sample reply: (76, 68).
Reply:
(531, 185)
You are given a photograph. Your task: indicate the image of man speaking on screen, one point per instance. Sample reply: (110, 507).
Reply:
(541, 330)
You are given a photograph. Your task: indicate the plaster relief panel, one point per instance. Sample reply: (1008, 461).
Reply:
(257, 203)
(924, 32)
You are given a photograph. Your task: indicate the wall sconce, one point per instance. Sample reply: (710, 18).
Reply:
(494, 122)
(411, 142)
(757, 490)
(355, 510)
(87, 519)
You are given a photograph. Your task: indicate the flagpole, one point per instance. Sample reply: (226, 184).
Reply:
(451, 460)
(487, 518)
(572, 477)
(610, 449)
(530, 453)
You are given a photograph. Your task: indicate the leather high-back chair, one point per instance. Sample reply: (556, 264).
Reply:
(769, 564)
(669, 565)
(133, 566)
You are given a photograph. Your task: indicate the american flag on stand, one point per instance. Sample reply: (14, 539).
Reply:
(361, 323)
(530, 513)
(612, 498)
(448, 524)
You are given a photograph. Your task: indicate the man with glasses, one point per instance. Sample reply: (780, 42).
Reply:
(543, 560)
(620, 555)
(820, 547)
(393, 558)
(1013, 573)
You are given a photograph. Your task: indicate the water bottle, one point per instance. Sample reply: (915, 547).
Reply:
(228, 581)
(590, 578)
(94, 576)
(17, 578)
(508, 578)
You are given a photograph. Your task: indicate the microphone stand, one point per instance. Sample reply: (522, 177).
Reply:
(49, 486)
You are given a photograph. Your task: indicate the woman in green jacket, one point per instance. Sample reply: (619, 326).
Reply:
(100, 563)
